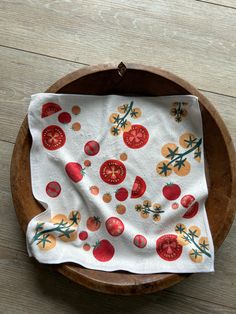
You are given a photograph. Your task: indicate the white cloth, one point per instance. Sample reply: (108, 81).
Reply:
(122, 183)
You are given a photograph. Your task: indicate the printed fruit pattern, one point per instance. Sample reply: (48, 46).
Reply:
(49, 109)
(177, 161)
(114, 226)
(83, 235)
(121, 194)
(148, 208)
(64, 227)
(140, 241)
(53, 137)
(168, 248)
(75, 171)
(179, 110)
(53, 189)
(171, 191)
(64, 117)
(187, 201)
(120, 120)
(136, 137)
(103, 251)
(93, 223)
(113, 171)
(199, 246)
(91, 148)
(139, 187)
(120, 209)
(94, 190)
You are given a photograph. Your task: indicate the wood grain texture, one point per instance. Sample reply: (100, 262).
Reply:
(227, 3)
(104, 30)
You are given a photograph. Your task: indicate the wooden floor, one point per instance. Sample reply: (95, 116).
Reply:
(42, 40)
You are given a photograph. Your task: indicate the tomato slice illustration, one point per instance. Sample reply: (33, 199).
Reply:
(168, 248)
(137, 137)
(192, 211)
(113, 171)
(53, 137)
(49, 108)
(139, 187)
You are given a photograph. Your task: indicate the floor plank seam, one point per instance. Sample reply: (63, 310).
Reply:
(6, 141)
(220, 94)
(217, 4)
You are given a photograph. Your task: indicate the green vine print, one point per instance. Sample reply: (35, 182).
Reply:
(179, 111)
(191, 235)
(148, 208)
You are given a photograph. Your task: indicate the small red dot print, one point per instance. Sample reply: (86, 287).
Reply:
(53, 189)
(86, 246)
(140, 241)
(64, 117)
(83, 235)
(91, 148)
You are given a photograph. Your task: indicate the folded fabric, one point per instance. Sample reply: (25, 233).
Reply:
(123, 183)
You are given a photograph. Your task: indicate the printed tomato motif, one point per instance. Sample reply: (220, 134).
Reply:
(139, 188)
(114, 226)
(86, 247)
(53, 189)
(64, 117)
(187, 200)
(49, 109)
(74, 171)
(171, 191)
(91, 148)
(93, 223)
(103, 251)
(168, 248)
(94, 190)
(121, 194)
(113, 171)
(53, 137)
(137, 137)
(175, 205)
(192, 211)
(140, 241)
(83, 235)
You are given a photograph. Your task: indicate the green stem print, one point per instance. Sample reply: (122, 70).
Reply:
(148, 208)
(178, 111)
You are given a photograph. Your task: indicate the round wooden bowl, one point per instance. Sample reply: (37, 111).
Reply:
(133, 79)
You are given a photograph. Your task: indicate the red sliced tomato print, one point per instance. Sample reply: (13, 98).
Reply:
(168, 248)
(192, 211)
(171, 191)
(140, 241)
(74, 171)
(53, 189)
(103, 251)
(137, 137)
(187, 200)
(114, 226)
(121, 194)
(64, 117)
(83, 235)
(49, 108)
(93, 223)
(53, 137)
(139, 188)
(113, 171)
(91, 148)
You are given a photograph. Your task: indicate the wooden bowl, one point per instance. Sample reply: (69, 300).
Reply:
(135, 79)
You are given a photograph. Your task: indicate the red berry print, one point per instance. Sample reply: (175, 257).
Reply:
(187, 200)
(86, 247)
(192, 211)
(64, 117)
(53, 189)
(137, 137)
(114, 226)
(139, 188)
(103, 251)
(171, 191)
(53, 137)
(113, 172)
(93, 223)
(83, 235)
(121, 194)
(140, 241)
(175, 205)
(74, 171)
(168, 248)
(91, 148)
(49, 109)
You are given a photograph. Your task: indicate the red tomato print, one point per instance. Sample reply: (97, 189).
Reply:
(114, 226)
(91, 148)
(192, 211)
(140, 241)
(64, 117)
(93, 223)
(53, 189)
(121, 194)
(53, 137)
(113, 171)
(175, 205)
(187, 200)
(83, 235)
(168, 248)
(74, 171)
(86, 246)
(139, 188)
(171, 191)
(103, 251)
(49, 108)
(137, 137)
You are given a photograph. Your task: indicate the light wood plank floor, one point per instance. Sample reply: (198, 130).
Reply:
(40, 41)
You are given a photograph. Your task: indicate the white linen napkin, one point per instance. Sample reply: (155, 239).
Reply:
(122, 181)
